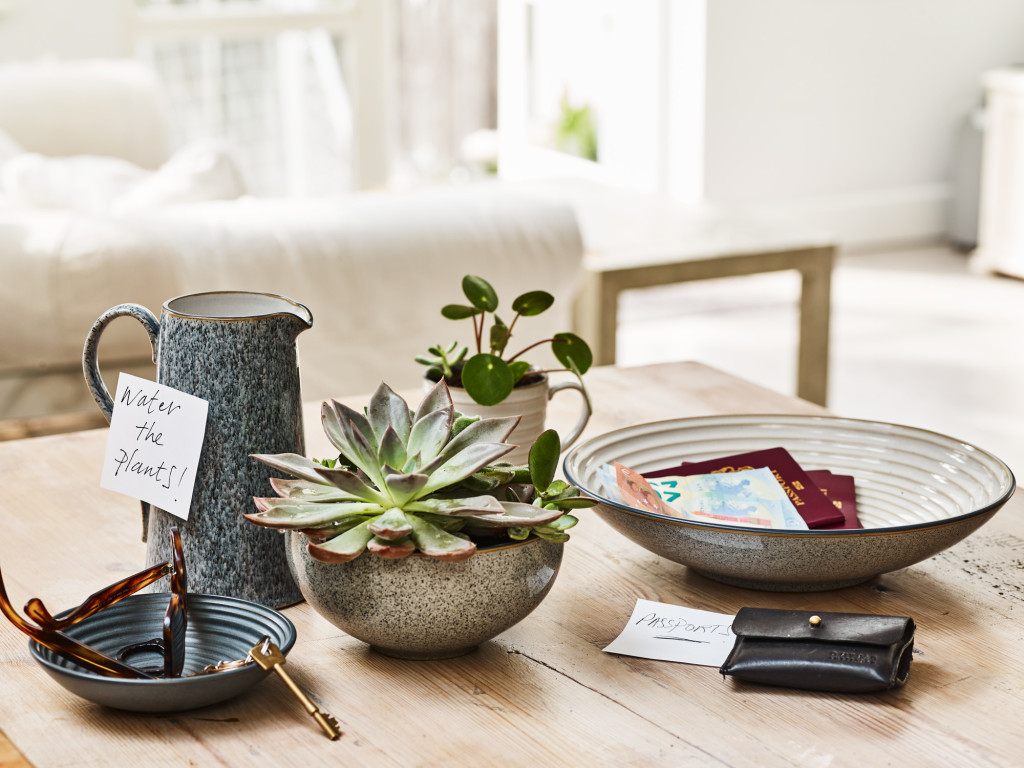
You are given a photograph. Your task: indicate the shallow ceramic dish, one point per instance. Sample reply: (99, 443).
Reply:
(918, 492)
(219, 629)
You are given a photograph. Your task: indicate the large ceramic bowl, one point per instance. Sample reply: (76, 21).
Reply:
(918, 492)
(423, 608)
(219, 629)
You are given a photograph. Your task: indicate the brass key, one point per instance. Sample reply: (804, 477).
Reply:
(269, 656)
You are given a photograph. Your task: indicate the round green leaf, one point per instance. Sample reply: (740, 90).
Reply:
(544, 459)
(487, 379)
(480, 293)
(457, 311)
(569, 346)
(519, 369)
(533, 303)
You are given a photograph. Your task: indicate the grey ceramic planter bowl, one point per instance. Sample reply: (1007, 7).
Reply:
(422, 608)
(918, 492)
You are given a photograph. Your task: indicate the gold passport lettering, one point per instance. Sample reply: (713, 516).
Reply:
(793, 495)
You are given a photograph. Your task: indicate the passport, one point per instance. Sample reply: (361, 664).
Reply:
(842, 492)
(811, 504)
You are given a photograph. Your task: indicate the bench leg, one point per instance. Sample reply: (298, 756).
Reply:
(596, 315)
(815, 311)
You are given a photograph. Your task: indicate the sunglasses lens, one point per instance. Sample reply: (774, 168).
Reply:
(175, 625)
(141, 655)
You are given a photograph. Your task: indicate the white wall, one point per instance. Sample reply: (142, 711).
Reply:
(846, 112)
(63, 28)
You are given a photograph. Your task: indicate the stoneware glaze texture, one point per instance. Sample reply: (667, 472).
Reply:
(423, 608)
(918, 492)
(237, 351)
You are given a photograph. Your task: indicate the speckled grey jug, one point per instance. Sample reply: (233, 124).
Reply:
(235, 350)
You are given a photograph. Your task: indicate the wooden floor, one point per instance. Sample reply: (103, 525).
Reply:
(49, 425)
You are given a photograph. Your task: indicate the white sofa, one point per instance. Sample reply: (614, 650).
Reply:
(374, 268)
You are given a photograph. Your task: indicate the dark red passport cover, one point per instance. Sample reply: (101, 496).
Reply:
(842, 492)
(812, 505)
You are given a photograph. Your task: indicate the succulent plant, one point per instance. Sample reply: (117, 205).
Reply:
(416, 480)
(489, 376)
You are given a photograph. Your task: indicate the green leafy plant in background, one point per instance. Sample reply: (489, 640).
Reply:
(490, 375)
(576, 133)
(422, 480)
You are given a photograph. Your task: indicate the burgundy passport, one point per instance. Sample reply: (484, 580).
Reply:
(842, 492)
(812, 505)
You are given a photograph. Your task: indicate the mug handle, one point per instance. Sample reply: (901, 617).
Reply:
(584, 414)
(90, 363)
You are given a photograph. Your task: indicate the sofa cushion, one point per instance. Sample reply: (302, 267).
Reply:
(110, 108)
(201, 170)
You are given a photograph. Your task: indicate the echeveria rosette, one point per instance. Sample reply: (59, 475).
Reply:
(412, 480)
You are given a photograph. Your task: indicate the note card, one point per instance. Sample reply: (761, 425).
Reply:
(674, 633)
(156, 437)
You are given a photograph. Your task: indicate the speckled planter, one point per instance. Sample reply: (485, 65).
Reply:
(422, 608)
(237, 351)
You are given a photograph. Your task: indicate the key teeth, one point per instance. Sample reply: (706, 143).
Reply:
(329, 724)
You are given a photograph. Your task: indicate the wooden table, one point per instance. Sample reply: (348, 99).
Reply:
(543, 693)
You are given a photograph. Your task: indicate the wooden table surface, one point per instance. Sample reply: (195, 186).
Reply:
(542, 693)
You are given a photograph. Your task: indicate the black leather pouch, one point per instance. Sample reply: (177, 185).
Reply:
(839, 652)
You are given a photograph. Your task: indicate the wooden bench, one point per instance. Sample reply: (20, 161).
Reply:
(636, 241)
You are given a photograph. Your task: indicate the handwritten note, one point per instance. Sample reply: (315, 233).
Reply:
(156, 437)
(674, 633)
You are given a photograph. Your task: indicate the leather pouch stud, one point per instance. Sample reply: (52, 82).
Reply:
(839, 652)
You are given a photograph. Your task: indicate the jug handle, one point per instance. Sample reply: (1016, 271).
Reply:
(90, 363)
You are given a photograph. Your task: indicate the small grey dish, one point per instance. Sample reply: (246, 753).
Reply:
(219, 629)
(420, 607)
(918, 493)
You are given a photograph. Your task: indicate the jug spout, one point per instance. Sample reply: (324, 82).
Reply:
(303, 317)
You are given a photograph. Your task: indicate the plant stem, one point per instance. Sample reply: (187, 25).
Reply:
(523, 351)
(478, 331)
(508, 336)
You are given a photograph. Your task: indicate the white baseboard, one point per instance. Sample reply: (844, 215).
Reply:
(872, 218)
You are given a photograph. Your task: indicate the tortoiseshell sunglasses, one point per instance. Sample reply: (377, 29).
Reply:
(171, 645)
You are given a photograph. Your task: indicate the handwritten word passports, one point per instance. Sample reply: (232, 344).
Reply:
(812, 505)
(156, 437)
(674, 633)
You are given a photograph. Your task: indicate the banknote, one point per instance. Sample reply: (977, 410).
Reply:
(749, 498)
(813, 506)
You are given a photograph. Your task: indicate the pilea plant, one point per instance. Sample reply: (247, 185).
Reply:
(422, 480)
(489, 375)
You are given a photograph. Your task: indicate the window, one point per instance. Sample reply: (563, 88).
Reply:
(299, 88)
